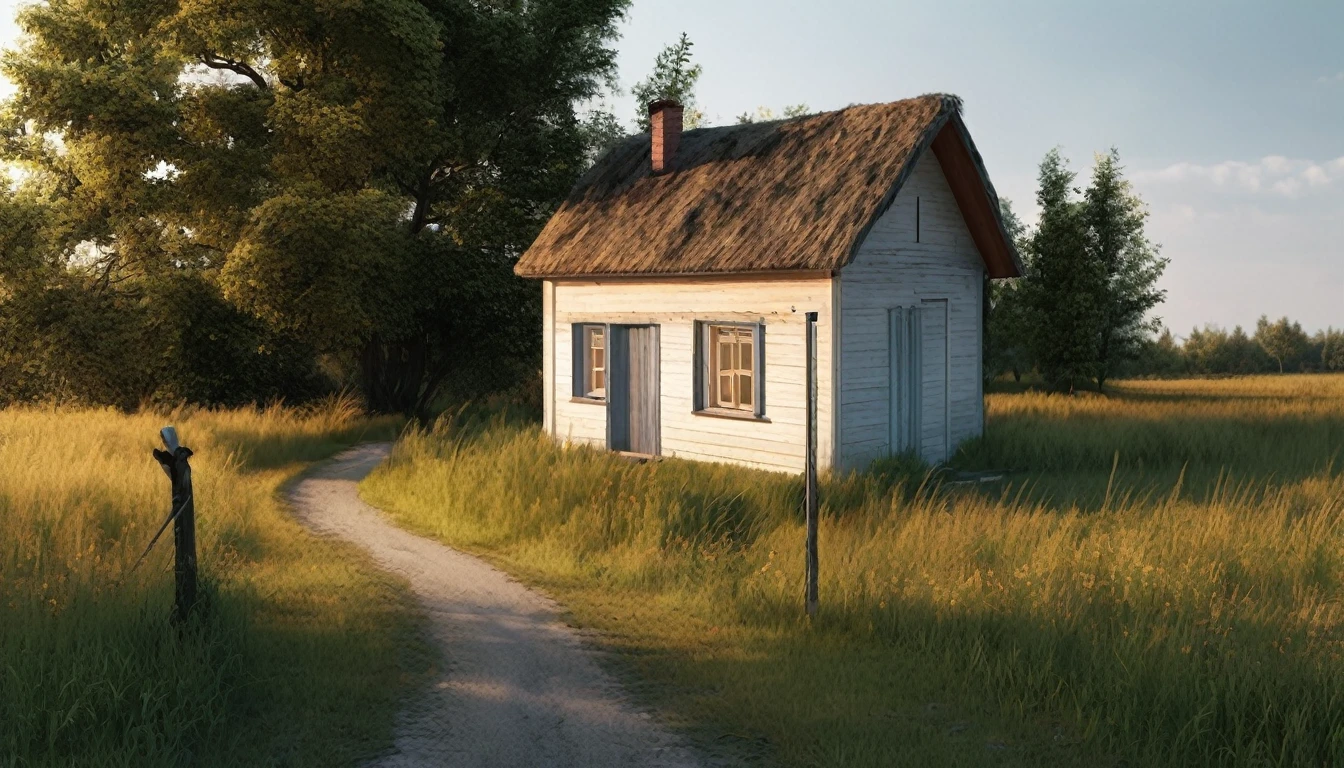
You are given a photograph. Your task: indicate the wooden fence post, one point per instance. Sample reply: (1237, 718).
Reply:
(183, 514)
(811, 476)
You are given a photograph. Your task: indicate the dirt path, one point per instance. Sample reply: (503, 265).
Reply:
(520, 688)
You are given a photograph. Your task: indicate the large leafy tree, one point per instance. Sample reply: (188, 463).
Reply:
(1065, 284)
(358, 177)
(1129, 264)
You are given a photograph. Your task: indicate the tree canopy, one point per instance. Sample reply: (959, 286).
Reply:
(1082, 309)
(343, 181)
(1065, 284)
(1130, 265)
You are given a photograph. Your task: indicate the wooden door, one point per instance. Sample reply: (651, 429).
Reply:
(905, 380)
(935, 364)
(918, 380)
(633, 417)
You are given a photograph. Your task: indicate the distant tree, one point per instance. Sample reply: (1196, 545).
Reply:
(1162, 355)
(1332, 350)
(766, 114)
(1282, 340)
(1213, 350)
(673, 77)
(1241, 355)
(1008, 326)
(1167, 356)
(1064, 283)
(1129, 265)
(1203, 347)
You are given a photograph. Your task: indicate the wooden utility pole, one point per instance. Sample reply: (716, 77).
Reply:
(183, 514)
(810, 486)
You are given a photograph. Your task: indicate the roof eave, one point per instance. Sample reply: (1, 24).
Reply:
(931, 132)
(996, 246)
(749, 274)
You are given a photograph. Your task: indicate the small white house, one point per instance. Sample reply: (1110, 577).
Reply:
(678, 273)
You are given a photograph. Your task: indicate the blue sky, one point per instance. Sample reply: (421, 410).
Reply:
(1229, 116)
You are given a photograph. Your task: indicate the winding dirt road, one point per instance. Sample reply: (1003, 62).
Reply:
(520, 688)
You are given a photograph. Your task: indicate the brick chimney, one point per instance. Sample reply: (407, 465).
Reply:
(665, 121)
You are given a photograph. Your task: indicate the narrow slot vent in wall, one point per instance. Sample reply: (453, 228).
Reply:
(916, 219)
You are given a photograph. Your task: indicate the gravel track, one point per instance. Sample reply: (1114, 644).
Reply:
(520, 687)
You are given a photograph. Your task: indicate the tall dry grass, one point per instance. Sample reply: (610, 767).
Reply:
(297, 657)
(1155, 624)
(1252, 426)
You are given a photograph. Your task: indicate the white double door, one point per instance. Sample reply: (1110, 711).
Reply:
(918, 354)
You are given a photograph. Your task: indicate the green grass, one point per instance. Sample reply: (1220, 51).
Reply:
(302, 654)
(1158, 583)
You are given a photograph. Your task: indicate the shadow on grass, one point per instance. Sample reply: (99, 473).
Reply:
(1045, 672)
(906, 686)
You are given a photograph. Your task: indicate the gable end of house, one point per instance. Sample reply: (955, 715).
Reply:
(976, 199)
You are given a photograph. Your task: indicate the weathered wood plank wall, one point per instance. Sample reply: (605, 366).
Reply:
(674, 305)
(893, 269)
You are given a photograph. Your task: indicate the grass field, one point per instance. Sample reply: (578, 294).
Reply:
(1157, 582)
(305, 647)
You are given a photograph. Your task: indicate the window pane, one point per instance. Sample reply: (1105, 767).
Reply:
(595, 338)
(730, 367)
(599, 381)
(599, 358)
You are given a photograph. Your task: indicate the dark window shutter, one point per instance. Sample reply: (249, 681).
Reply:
(758, 375)
(698, 359)
(577, 357)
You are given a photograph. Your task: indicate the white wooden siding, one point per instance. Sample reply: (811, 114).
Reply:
(548, 352)
(674, 304)
(892, 270)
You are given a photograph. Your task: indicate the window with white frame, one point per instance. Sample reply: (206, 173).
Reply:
(730, 361)
(593, 348)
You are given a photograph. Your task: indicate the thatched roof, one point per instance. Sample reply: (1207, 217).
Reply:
(791, 195)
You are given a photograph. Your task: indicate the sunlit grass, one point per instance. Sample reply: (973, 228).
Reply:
(1153, 624)
(300, 656)
(1256, 425)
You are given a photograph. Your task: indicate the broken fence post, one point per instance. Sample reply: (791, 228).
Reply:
(183, 514)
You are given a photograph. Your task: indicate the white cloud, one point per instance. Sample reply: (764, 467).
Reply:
(1274, 174)
(1276, 164)
(1338, 77)
(1287, 187)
